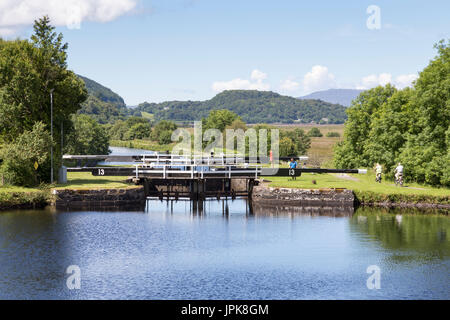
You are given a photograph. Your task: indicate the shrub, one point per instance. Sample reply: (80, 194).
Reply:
(20, 156)
(333, 135)
(315, 132)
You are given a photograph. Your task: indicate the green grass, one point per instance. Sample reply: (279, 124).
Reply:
(15, 197)
(85, 180)
(142, 144)
(366, 189)
(147, 115)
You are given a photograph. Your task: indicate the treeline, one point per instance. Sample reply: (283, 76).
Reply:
(411, 126)
(291, 142)
(141, 128)
(252, 106)
(32, 73)
(104, 105)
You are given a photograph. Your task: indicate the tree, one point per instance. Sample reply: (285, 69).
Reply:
(301, 141)
(315, 132)
(389, 129)
(350, 152)
(287, 147)
(139, 131)
(29, 70)
(88, 137)
(20, 157)
(162, 130)
(219, 119)
(411, 126)
(426, 152)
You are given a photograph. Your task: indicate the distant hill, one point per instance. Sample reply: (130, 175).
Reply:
(103, 104)
(252, 106)
(340, 96)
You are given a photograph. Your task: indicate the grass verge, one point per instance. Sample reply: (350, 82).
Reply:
(366, 189)
(18, 197)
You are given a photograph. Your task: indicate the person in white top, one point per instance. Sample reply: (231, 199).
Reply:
(399, 168)
(399, 174)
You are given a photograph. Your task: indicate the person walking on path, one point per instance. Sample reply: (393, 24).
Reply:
(292, 167)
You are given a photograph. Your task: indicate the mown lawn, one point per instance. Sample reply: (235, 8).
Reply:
(85, 180)
(356, 182)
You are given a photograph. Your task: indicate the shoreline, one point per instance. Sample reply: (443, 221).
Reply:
(261, 195)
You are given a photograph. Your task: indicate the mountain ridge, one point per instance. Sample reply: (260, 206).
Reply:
(252, 106)
(338, 96)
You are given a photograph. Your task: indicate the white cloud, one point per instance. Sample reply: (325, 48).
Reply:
(17, 14)
(319, 78)
(258, 75)
(289, 85)
(405, 80)
(382, 79)
(256, 83)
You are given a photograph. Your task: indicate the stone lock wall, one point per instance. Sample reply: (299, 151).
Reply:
(303, 197)
(100, 199)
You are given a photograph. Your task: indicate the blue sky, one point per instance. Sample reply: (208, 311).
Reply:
(192, 49)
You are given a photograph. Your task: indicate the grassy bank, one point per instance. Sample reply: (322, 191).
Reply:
(142, 144)
(365, 188)
(85, 180)
(19, 197)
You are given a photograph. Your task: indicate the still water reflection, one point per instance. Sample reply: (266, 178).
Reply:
(173, 250)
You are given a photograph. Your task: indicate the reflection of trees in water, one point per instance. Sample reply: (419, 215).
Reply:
(411, 234)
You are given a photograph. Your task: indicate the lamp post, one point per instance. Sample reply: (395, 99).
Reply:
(51, 133)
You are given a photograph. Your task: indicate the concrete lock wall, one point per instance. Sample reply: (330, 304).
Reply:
(101, 199)
(303, 197)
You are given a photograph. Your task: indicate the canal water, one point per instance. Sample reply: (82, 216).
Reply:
(172, 250)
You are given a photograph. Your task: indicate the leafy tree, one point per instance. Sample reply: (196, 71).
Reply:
(162, 131)
(389, 129)
(411, 126)
(236, 125)
(29, 71)
(301, 141)
(315, 132)
(350, 152)
(118, 130)
(165, 137)
(287, 147)
(138, 131)
(219, 119)
(88, 137)
(20, 156)
(426, 153)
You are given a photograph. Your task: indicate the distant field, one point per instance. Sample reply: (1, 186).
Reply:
(147, 115)
(321, 151)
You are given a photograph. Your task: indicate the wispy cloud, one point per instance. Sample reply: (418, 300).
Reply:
(256, 82)
(18, 14)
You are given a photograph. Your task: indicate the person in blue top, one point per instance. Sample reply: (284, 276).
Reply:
(293, 165)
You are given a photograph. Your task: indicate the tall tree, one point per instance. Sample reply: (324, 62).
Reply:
(350, 152)
(29, 72)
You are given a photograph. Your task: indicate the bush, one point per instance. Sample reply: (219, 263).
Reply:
(138, 131)
(333, 135)
(315, 132)
(164, 128)
(20, 156)
(165, 137)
